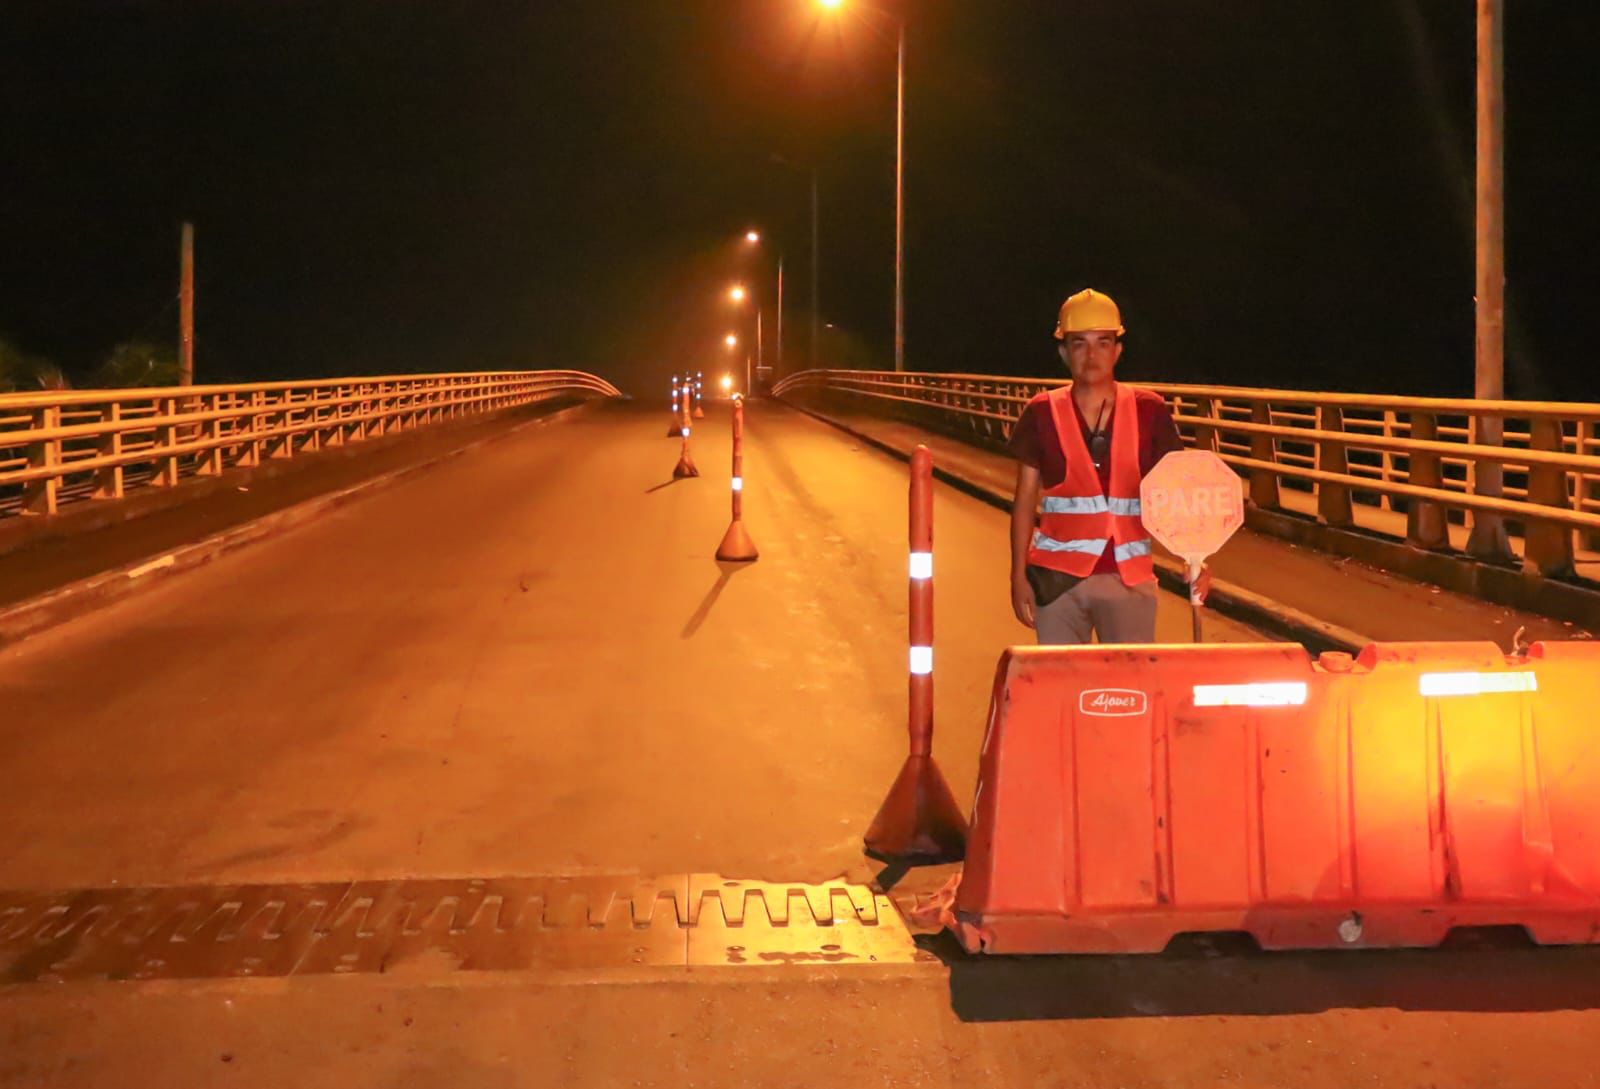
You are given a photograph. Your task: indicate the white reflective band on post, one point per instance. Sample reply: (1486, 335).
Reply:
(686, 432)
(1126, 507)
(1131, 549)
(1476, 684)
(1093, 546)
(922, 565)
(738, 483)
(921, 661)
(1257, 694)
(1073, 504)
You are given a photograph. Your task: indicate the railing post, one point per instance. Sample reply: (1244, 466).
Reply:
(335, 417)
(210, 460)
(283, 447)
(1426, 525)
(1547, 545)
(108, 478)
(167, 436)
(1263, 482)
(250, 451)
(1391, 428)
(1205, 435)
(1333, 500)
(39, 496)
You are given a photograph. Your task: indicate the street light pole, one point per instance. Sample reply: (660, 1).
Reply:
(816, 264)
(899, 205)
(1488, 539)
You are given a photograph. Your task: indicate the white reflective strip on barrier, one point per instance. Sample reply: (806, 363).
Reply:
(1130, 550)
(921, 661)
(1129, 507)
(922, 565)
(1073, 504)
(1093, 546)
(1476, 684)
(1255, 694)
(738, 483)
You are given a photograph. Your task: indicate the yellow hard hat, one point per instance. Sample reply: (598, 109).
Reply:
(1088, 311)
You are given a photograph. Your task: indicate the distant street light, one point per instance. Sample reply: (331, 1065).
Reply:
(727, 383)
(755, 237)
(899, 192)
(731, 341)
(737, 294)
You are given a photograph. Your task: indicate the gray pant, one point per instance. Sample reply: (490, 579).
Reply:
(1103, 605)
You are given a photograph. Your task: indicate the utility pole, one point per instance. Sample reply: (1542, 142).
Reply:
(899, 206)
(778, 368)
(1488, 540)
(816, 264)
(186, 308)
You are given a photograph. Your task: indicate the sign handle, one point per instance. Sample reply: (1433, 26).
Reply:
(1194, 564)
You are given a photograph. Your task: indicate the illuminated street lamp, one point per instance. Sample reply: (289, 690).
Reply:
(731, 341)
(754, 238)
(899, 191)
(738, 294)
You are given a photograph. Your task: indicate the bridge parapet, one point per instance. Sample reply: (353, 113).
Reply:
(65, 446)
(1400, 466)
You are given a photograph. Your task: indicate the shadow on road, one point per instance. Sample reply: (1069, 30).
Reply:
(704, 609)
(664, 484)
(1206, 978)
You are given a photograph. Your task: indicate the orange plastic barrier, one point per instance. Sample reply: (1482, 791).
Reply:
(1127, 794)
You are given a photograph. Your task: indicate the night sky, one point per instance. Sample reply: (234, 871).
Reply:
(1277, 193)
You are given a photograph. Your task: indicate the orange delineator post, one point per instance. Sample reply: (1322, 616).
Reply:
(1126, 795)
(699, 410)
(919, 821)
(675, 425)
(685, 466)
(736, 546)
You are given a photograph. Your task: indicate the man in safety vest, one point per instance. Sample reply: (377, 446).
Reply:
(1080, 555)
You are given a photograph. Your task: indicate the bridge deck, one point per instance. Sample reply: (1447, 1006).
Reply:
(527, 662)
(524, 661)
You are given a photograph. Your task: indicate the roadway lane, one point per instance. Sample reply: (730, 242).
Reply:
(524, 661)
(527, 661)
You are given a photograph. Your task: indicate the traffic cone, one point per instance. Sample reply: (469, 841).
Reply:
(699, 412)
(736, 546)
(919, 821)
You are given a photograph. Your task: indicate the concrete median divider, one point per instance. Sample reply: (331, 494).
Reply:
(1128, 794)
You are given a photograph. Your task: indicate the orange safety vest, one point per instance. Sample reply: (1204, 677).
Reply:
(1077, 520)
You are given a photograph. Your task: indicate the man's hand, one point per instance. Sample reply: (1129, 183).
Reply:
(1202, 586)
(1023, 602)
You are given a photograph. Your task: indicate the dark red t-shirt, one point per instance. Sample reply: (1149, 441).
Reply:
(1034, 442)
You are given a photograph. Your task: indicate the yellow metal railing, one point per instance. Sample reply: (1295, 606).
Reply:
(65, 446)
(1404, 466)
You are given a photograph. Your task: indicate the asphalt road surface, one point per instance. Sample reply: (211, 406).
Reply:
(528, 662)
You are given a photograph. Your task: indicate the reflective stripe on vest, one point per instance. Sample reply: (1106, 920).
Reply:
(1091, 545)
(1133, 548)
(1074, 504)
(1089, 504)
